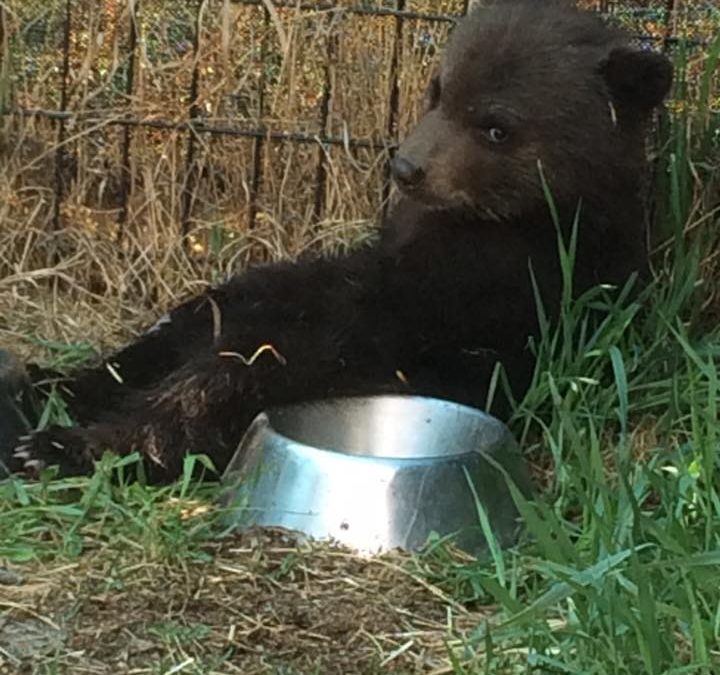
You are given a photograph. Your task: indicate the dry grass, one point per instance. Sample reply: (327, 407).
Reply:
(112, 277)
(261, 604)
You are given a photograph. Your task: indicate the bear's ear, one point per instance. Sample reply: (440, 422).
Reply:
(637, 79)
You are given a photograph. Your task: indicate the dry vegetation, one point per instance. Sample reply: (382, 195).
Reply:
(260, 604)
(91, 276)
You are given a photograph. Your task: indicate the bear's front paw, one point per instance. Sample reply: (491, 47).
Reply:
(66, 448)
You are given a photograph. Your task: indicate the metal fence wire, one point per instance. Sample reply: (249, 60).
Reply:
(213, 73)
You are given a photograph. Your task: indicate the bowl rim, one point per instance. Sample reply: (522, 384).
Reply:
(263, 420)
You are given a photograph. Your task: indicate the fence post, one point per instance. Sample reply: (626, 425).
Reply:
(259, 145)
(662, 122)
(125, 175)
(190, 178)
(394, 101)
(60, 153)
(321, 171)
(4, 65)
(670, 8)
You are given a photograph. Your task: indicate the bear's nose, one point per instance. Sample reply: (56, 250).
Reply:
(406, 173)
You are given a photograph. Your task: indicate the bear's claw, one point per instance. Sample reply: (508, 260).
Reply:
(56, 446)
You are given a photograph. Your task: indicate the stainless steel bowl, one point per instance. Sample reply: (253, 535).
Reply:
(376, 473)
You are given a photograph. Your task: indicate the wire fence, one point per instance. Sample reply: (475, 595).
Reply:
(89, 65)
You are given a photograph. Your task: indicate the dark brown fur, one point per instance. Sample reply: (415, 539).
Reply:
(446, 291)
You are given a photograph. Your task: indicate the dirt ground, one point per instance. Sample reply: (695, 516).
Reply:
(252, 603)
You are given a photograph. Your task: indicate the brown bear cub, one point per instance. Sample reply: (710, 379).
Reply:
(525, 88)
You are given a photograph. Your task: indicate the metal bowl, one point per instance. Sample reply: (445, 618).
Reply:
(376, 473)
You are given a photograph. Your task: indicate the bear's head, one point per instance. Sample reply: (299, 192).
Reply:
(526, 85)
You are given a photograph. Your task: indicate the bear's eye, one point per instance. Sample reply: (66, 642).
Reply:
(433, 93)
(497, 135)
(493, 127)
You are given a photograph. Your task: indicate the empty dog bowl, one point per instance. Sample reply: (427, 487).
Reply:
(376, 473)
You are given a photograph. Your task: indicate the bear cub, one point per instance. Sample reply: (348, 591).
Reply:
(526, 92)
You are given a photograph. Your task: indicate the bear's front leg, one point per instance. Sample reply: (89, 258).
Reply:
(205, 406)
(197, 409)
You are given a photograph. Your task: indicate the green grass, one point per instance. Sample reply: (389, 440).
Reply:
(619, 572)
(62, 518)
